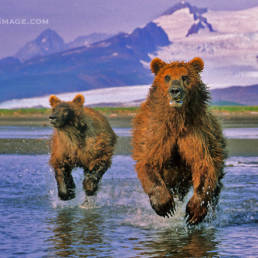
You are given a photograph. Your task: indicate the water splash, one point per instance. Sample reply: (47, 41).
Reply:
(121, 194)
(89, 203)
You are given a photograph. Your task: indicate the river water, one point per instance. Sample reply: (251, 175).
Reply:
(119, 222)
(33, 132)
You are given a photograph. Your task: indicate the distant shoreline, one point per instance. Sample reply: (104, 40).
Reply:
(122, 116)
(235, 147)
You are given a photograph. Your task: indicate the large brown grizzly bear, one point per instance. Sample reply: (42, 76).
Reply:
(177, 142)
(82, 138)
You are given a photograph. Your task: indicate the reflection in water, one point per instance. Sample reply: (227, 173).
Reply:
(182, 243)
(78, 232)
(74, 231)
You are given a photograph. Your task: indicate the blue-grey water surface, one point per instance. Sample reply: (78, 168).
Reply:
(37, 132)
(45, 132)
(119, 222)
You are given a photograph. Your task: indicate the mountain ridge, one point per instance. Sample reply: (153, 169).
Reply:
(123, 59)
(115, 61)
(46, 43)
(50, 42)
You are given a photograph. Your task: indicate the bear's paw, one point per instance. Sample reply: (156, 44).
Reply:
(162, 201)
(196, 210)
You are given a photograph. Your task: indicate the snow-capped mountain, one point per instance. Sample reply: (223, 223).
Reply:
(226, 40)
(183, 20)
(48, 42)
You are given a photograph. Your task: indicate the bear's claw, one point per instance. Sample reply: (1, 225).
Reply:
(196, 211)
(165, 210)
(162, 202)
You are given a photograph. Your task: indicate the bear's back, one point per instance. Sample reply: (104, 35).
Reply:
(98, 123)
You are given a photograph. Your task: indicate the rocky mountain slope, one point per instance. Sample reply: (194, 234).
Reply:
(116, 61)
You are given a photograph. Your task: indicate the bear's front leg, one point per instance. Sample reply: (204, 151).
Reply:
(65, 183)
(206, 192)
(205, 176)
(196, 209)
(161, 199)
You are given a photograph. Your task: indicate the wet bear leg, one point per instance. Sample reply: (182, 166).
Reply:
(65, 183)
(92, 178)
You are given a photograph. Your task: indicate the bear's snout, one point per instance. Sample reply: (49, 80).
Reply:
(175, 91)
(52, 119)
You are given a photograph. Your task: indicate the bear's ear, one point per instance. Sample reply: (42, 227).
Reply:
(79, 99)
(197, 64)
(156, 65)
(54, 100)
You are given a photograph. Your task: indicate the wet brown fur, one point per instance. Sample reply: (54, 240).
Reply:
(85, 140)
(179, 147)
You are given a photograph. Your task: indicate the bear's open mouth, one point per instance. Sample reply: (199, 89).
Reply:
(176, 102)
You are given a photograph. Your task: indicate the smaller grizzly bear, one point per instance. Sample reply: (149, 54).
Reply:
(82, 138)
(177, 142)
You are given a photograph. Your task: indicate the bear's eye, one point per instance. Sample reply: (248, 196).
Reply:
(167, 78)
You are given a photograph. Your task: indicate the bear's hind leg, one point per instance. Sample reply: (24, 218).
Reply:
(90, 183)
(93, 177)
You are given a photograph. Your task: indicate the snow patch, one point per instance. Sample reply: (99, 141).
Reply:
(104, 44)
(73, 51)
(229, 53)
(177, 24)
(242, 21)
(126, 95)
(86, 43)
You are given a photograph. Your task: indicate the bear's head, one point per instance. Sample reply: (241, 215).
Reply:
(65, 112)
(177, 81)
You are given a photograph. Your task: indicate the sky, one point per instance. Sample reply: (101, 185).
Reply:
(73, 18)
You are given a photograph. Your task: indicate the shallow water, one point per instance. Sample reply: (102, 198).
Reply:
(119, 222)
(32, 132)
(241, 133)
(37, 132)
